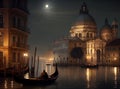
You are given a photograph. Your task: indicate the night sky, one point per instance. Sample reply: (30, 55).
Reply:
(49, 24)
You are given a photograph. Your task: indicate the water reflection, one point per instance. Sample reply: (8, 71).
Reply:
(115, 73)
(115, 77)
(9, 83)
(5, 84)
(88, 77)
(76, 78)
(12, 83)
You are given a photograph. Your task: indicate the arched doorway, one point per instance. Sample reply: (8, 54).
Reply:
(98, 56)
(77, 53)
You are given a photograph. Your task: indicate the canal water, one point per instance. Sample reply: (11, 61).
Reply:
(75, 78)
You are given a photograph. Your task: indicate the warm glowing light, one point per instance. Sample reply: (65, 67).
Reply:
(51, 59)
(115, 58)
(26, 76)
(88, 74)
(5, 84)
(115, 72)
(12, 83)
(88, 77)
(88, 57)
(25, 54)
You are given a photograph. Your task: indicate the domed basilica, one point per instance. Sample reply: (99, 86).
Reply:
(86, 45)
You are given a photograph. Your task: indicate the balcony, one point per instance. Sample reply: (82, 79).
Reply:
(21, 29)
(19, 45)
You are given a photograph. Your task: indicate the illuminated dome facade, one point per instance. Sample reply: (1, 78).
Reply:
(85, 47)
(85, 26)
(106, 32)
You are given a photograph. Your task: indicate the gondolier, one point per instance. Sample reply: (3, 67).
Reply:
(44, 75)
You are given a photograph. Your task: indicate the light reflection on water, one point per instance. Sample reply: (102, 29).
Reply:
(76, 78)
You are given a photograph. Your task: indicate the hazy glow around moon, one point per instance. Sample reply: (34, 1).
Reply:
(46, 6)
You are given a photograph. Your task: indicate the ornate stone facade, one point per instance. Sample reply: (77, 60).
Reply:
(13, 32)
(86, 44)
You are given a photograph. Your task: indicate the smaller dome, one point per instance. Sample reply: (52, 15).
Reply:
(106, 32)
(115, 22)
(106, 28)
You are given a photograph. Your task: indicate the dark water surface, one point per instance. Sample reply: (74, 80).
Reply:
(76, 78)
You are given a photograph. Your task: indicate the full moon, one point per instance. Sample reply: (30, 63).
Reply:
(46, 6)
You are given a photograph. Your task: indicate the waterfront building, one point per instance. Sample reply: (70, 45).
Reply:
(113, 53)
(13, 32)
(85, 43)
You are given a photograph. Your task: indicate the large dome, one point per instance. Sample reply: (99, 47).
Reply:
(85, 26)
(85, 19)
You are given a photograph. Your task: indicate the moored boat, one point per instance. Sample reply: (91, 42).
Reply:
(89, 66)
(37, 81)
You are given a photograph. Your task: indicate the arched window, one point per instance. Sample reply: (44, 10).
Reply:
(14, 56)
(1, 21)
(15, 21)
(1, 39)
(90, 35)
(98, 55)
(87, 35)
(18, 57)
(80, 35)
(1, 3)
(18, 22)
(75, 34)
(1, 59)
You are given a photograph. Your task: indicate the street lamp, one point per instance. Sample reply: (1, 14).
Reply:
(25, 55)
(115, 58)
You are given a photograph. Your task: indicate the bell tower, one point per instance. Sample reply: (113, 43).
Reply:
(115, 28)
(14, 32)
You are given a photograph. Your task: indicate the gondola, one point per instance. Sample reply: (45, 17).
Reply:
(37, 81)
